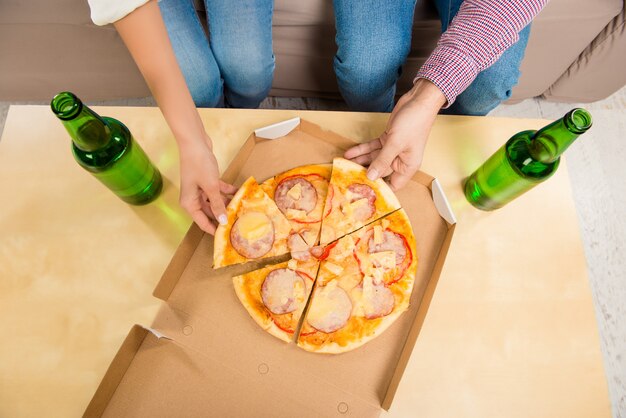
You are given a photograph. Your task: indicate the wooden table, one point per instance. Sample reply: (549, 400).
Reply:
(510, 332)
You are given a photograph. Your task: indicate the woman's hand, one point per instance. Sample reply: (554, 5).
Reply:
(399, 150)
(202, 193)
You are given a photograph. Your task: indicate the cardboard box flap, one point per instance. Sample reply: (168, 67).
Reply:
(277, 130)
(441, 203)
(166, 378)
(116, 371)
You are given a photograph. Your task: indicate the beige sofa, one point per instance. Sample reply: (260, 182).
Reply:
(576, 52)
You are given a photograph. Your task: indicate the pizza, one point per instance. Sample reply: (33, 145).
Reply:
(256, 228)
(275, 296)
(300, 194)
(353, 255)
(354, 200)
(364, 283)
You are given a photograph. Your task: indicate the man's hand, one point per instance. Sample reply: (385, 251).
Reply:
(399, 150)
(202, 193)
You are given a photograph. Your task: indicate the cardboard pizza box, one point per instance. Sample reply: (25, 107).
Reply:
(205, 356)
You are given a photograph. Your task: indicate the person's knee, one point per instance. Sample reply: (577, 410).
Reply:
(248, 81)
(367, 79)
(206, 88)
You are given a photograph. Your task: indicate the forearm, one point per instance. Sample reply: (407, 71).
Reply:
(144, 33)
(479, 34)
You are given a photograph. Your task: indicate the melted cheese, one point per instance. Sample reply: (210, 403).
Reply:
(384, 259)
(378, 234)
(322, 304)
(333, 268)
(254, 225)
(384, 223)
(296, 214)
(299, 292)
(295, 192)
(328, 234)
(292, 264)
(343, 248)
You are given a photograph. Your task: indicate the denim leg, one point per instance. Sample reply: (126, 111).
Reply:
(373, 40)
(493, 85)
(193, 53)
(241, 41)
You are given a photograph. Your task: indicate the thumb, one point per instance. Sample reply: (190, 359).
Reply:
(382, 163)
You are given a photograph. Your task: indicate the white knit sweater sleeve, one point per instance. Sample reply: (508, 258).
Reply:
(104, 12)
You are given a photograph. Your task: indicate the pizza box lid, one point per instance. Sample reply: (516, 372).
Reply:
(203, 355)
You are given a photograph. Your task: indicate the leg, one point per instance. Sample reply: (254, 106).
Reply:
(241, 40)
(373, 40)
(493, 85)
(192, 51)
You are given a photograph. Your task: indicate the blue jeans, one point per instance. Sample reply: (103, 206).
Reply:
(374, 39)
(236, 66)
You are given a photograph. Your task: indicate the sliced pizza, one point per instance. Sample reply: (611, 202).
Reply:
(354, 200)
(364, 283)
(300, 194)
(276, 295)
(256, 228)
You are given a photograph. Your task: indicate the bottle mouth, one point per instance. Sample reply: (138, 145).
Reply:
(66, 105)
(578, 120)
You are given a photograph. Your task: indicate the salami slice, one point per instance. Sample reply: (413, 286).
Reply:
(252, 235)
(303, 197)
(330, 309)
(378, 301)
(358, 192)
(283, 290)
(391, 242)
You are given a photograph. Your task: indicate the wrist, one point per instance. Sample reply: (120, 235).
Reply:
(427, 94)
(193, 140)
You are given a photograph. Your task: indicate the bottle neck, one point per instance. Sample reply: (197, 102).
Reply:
(88, 130)
(551, 141)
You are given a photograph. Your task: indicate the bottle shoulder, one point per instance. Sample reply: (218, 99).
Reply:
(101, 159)
(519, 156)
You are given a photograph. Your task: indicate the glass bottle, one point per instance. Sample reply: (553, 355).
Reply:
(105, 147)
(527, 159)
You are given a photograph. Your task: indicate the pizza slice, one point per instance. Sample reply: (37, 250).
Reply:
(300, 194)
(364, 284)
(276, 295)
(354, 200)
(256, 228)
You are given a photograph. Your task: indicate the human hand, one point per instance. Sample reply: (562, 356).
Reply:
(202, 193)
(399, 150)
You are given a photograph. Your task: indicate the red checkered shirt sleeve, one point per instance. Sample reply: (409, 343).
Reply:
(481, 31)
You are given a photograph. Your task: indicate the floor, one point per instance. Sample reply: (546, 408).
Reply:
(598, 176)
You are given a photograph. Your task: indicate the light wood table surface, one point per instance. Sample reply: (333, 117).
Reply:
(510, 332)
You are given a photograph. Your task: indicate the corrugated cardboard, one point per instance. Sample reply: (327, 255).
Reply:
(204, 355)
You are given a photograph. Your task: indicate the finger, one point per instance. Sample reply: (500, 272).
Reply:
(364, 148)
(206, 208)
(227, 188)
(364, 159)
(398, 180)
(382, 163)
(202, 220)
(216, 201)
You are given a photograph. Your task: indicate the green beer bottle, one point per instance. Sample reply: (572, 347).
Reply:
(527, 159)
(105, 147)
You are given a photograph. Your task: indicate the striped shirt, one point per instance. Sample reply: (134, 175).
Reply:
(478, 35)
